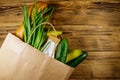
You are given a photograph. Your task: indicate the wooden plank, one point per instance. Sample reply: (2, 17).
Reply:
(111, 1)
(105, 79)
(10, 16)
(93, 38)
(21, 2)
(85, 13)
(90, 38)
(98, 66)
(103, 55)
(94, 42)
(82, 71)
(89, 28)
(88, 13)
(91, 43)
(106, 69)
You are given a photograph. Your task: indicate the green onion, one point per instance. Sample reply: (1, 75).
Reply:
(26, 24)
(33, 36)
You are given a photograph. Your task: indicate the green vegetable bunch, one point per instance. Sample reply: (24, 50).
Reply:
(39, 36)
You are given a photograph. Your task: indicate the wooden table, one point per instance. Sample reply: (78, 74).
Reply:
(91, 25)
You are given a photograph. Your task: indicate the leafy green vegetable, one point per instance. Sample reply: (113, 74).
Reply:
(40, 35)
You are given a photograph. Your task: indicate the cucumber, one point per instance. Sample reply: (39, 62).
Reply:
(62, 50)
(75, 62)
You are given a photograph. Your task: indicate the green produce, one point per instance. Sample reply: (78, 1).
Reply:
(38, 15)
(34, 31)
(62, 50)
(75, 62)
(26, 23)
(74, 54)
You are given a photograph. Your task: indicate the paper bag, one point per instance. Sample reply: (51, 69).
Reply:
(20, 61)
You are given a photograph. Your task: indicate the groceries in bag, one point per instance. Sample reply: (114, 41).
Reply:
(36, 32)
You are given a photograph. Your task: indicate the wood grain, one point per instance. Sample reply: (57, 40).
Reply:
(90, 13)
(91, 25)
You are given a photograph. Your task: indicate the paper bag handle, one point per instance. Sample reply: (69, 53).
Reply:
(38, 27)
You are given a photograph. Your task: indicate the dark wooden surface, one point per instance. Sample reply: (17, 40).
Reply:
(91, 25)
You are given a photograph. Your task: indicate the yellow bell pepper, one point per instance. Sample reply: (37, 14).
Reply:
(74, 54)
(54, 33)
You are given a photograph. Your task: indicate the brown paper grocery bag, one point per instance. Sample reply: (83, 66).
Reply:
(20, 61)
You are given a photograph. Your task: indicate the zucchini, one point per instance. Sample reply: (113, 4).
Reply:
(62, 50)
(75, 62)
